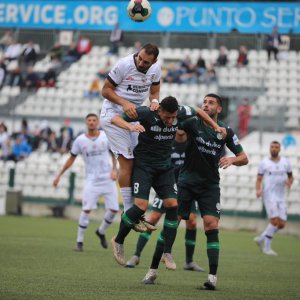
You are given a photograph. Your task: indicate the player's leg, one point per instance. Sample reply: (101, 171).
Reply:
(209, 205)
(89, 202)
(122, 143)
(142, 181)
(190, 241)
(110, 192)
(143, 239)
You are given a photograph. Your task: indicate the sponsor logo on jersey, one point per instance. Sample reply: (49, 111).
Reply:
(137, 88)
(235, 140)
(130, 78)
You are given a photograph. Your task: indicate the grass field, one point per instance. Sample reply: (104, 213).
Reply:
(37, 262)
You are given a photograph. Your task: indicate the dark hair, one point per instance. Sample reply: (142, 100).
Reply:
(151, 49)
(218, 98)
(91, 115)
(169, 104)
(275, 142)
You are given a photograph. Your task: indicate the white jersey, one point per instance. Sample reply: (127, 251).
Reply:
(95, 153)
(130, 83)
(275, 175)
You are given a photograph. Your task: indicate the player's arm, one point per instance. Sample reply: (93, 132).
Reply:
(290, 180)
(119, 121)
(259, 179)
(66, 166)
(108, 92)
(114, 174)
(208, 120)
(154, 96)
(240, 159)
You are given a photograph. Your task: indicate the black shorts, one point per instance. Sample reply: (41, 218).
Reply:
(207, 197)
(158, 206)
(162, 180)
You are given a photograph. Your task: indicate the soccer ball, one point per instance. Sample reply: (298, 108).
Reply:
(139, 10)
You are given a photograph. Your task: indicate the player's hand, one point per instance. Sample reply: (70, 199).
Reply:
(137, 128)
(154, 106)
(129, 109)
(56, 181)
(258, 193)
(114, 174)
(288, 184)
(223, 132)
(225, 162)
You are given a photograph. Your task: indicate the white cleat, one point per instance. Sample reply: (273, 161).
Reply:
(118, 250)
(211, 282)
(259, 242)
(140, 227)
(270, 252)
(168, 260)
(133, 261)
(150, 276)
(192, 266)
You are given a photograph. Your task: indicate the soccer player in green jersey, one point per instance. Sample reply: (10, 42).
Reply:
(199, 180)
(152, 168)
(157, 210)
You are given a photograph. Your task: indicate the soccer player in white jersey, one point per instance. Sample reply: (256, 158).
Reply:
(277, 174)
(134, 79)
(100, 176)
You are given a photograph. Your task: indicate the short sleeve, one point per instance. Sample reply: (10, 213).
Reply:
(75, 150)
(117, 73)
(143, 112)
(157, 74)
(261, 170)
(232, 142)
(289, 167)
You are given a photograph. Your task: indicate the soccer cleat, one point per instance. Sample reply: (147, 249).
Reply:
(140, 227)
(211, 282)
(102, 238)
(192, 266)
(149, 226)
(270, 252)
(79, 247)
(260, 242)
(118, 250)
(133, 261)
(150, 276)
(168, 260)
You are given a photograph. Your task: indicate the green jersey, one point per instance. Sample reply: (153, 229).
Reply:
(203, 151)
(155, 144)
(177, 156)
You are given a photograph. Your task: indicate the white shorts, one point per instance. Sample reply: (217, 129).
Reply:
(91, 194)
(276, 209)
(122, 141)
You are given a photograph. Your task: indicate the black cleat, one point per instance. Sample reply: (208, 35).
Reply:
(102, 238)
(79, 247)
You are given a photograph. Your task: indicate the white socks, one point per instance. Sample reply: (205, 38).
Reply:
(82, 226)
(127, 197)
(108, 219)
(269, 232)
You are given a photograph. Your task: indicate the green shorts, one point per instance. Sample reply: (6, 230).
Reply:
(162, 180)
(207, 197)
(158, 206)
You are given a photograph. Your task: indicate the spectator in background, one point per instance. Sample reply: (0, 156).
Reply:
(2, 72)
(52, 143)
(200, 69)
(21, 149)
(137, 46)
(273, 42)
(14, 77)
(49, 79)
(210, 75)
(67, 127)
(3, 138)
(72, 54)
(222, 59)
(31, 79)
(115, 39)
(13, 51)
(84, 45)
(64, 142)
(244, 113)
(29, 53)
(56, 51)
(94, 89)
(102, 73)
(243, 57)
(6, 40)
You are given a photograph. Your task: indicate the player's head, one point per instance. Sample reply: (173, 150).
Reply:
(168, 110)
(212, 105)
(275, 149)
(146, 57)
(92, 121)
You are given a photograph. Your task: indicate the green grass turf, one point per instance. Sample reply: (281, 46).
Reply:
(37, 262)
